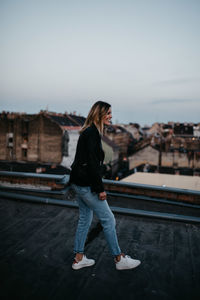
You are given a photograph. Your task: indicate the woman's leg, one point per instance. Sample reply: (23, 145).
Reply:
(85, 219)
(89, 201)
(106, 217)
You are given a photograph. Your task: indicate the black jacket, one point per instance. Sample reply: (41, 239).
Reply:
(88, 162)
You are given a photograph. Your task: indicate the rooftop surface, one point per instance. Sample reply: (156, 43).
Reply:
(36, 244)
(177, 181)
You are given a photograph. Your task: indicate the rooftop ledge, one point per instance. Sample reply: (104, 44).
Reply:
(59, 183)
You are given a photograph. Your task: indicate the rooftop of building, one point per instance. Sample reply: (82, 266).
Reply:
(62, 119)
(68, 120)
(165, 180)
(37, 244)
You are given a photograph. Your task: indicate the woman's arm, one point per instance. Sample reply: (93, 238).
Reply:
(94, 169)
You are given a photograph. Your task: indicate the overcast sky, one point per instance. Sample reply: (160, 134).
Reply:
(142, 56)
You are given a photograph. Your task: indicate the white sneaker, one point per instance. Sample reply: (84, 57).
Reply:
(85, 262)
(126, 262)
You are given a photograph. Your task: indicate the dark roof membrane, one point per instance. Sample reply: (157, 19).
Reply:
(37, 253)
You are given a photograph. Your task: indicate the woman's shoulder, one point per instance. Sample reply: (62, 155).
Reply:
(90, 130)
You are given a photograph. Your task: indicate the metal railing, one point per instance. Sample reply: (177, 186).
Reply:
(58, 194)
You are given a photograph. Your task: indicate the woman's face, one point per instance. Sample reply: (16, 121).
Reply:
(107, 118)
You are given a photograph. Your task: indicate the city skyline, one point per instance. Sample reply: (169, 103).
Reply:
(143, 57)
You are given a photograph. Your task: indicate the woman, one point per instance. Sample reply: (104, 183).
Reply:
(86, 180)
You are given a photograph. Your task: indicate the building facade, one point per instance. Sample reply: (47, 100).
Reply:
(30, 138)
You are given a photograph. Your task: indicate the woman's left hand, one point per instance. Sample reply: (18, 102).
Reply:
(102, 196)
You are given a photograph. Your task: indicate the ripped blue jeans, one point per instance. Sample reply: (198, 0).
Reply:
(88, 203)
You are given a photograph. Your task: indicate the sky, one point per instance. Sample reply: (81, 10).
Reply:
(141, 56)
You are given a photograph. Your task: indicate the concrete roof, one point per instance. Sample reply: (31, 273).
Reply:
(177, 181)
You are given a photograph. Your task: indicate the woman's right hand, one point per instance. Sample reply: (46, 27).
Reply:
(102, 196)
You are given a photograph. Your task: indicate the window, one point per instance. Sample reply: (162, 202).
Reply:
(24, 153)
(9, 138)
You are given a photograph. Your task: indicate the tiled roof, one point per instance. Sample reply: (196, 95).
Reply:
(68, 120)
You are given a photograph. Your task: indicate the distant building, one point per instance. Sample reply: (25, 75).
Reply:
(183, 129)
(146, 155)
(122, 138)
(196, 129)
(134, 129)
(72, 124)
(73, 139)
(42, 138)
(30, 138)
(111, 156)
(150, 155)
(150, 131)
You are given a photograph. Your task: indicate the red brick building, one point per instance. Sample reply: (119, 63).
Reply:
(30, 138)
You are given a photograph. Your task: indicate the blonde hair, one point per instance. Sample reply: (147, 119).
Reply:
(96, 116)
